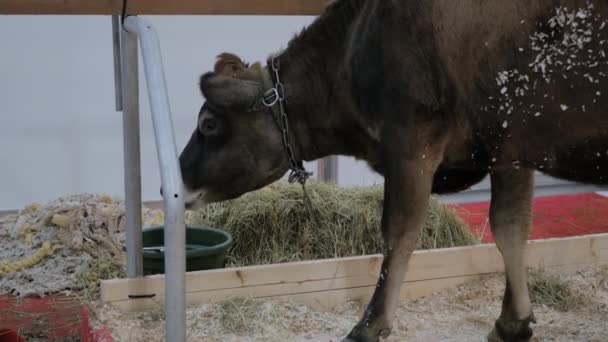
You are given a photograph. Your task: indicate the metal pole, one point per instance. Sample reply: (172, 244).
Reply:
(117, 60)
(175, 230)
(329, 169)
(131, 143)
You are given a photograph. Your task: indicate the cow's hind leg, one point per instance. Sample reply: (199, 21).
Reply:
(510, 218)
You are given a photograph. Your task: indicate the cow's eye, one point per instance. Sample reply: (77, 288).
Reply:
(208, 126)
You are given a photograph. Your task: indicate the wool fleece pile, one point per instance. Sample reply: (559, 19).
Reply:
(55, 247)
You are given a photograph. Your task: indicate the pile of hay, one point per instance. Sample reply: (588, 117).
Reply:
(72, 242)
(275, 224)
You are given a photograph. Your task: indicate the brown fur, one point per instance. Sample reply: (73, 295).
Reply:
(231, 65)
(435, 95)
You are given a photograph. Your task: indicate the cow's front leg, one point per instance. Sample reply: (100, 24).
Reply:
(408, 182)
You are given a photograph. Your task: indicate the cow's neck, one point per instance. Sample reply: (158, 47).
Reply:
(309, 71)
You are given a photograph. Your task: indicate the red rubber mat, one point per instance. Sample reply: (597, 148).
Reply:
(553, 217)
(51, 318)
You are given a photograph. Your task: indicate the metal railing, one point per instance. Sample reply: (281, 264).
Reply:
(127, 83)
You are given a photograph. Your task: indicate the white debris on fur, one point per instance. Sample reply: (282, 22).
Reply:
(566, 55)
(87, 227)
(578, 26)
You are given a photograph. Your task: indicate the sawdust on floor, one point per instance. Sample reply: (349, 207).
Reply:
(464, 313)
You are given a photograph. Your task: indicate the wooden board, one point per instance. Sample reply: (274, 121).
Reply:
(209, 7)
(325, 283)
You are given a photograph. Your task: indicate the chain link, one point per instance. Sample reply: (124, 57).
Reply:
(272, 97)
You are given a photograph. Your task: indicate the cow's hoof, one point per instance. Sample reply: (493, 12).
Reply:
(518, 331)
(493, 336)
(358, 337)
(364, 335)
(361, 338)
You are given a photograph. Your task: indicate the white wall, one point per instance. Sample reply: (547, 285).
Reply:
(59, 132)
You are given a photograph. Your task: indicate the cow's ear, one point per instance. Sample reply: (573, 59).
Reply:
(228, 92)
(230, 65)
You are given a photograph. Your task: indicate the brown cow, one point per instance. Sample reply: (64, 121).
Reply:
(434, 95)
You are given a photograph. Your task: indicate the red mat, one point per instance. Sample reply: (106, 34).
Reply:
(553, 217)
(52, 318)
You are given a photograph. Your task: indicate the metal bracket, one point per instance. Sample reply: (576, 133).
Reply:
(142, 296)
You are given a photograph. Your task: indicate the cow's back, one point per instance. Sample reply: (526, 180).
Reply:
(511, 82)
(532, 76)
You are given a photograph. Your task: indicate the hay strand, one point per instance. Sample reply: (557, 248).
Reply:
(273, 225)
(554, 290)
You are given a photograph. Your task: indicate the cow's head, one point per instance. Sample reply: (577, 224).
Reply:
(236, 146)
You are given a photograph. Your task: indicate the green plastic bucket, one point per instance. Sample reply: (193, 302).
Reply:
(206, 248)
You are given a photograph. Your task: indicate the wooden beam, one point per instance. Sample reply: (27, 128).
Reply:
(164, 7)
(325, 283)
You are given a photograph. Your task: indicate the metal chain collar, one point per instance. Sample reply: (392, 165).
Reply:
(272, 97)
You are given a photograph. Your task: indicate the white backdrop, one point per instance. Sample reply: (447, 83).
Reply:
(59, 132)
